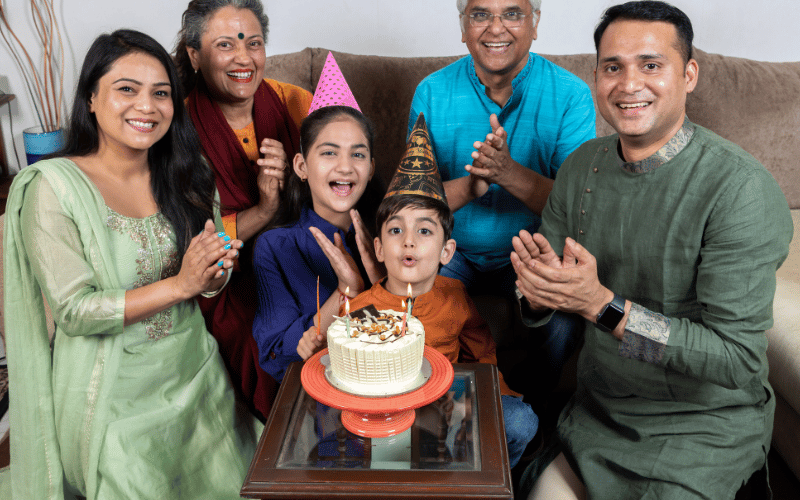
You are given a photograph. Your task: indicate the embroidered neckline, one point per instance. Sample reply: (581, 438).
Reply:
(667, 152)
(134, 219)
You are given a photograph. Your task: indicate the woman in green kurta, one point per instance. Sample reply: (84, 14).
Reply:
(133, 401)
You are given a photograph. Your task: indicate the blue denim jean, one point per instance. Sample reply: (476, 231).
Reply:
(521, 424)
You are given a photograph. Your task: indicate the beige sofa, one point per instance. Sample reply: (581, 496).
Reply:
(784, 354)
(754, 104)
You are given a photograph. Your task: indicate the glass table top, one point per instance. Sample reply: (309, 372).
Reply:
(444, 436)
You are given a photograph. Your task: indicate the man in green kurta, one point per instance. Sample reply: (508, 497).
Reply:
(665, 238)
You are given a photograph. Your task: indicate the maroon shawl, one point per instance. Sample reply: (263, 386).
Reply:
(235, 175)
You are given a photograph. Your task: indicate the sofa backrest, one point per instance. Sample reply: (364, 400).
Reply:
(754, 104)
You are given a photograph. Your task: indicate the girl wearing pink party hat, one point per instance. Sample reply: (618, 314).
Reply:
(293, 272)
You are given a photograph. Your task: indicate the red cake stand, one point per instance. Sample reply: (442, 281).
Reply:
(377, 417)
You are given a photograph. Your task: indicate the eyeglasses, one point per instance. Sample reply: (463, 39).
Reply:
(511, 19)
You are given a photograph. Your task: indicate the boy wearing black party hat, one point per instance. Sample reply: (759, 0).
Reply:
(414, 224)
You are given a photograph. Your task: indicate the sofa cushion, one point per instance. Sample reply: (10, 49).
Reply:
(790, 270)
(294, 68)
(783, 354)
(783, 351)
(755, 105)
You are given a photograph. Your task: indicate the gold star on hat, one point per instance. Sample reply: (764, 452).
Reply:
(418, 172)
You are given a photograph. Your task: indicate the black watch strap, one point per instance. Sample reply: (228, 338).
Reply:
(612, 314)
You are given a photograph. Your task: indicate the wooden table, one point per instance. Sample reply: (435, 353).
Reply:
(455, 449)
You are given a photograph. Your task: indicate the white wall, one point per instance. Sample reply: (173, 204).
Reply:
(765, 30)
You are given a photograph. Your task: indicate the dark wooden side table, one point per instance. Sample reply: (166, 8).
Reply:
(455, 449)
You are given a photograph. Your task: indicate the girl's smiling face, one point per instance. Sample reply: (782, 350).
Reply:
(337, 166)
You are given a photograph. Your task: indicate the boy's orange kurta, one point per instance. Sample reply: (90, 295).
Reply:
(452, 323)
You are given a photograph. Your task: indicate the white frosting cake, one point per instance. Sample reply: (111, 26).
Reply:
(374, 359)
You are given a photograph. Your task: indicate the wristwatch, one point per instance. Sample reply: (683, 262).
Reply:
(611, 315)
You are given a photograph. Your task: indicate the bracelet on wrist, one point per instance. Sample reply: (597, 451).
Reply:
(216, 292)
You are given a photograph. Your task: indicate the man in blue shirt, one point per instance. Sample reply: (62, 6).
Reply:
(535, 114)
(501, 122)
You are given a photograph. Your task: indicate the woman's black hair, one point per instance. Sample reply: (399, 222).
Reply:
(181, 180)
(648, 10)
(296, 192)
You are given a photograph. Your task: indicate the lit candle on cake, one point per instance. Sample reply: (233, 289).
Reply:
(407, 306)
(318, 315)
(347, 309)
(405, 314)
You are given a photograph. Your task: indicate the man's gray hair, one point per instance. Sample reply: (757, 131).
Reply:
(535, 5)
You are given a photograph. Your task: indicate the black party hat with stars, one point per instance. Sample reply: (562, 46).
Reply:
(418, 172)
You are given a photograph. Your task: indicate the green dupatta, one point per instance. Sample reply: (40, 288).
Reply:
(37, 471)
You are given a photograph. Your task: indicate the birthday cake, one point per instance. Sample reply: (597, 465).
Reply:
(376, 357)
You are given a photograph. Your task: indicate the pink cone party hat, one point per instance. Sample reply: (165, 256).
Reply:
(332, 89)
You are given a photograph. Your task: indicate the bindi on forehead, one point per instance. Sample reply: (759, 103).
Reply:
(241, 36)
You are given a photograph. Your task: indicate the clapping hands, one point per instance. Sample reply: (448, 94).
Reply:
(272, 174)
(342, 262)
(210, 256)
(491, 160)
(569, 283)
(366, 248)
